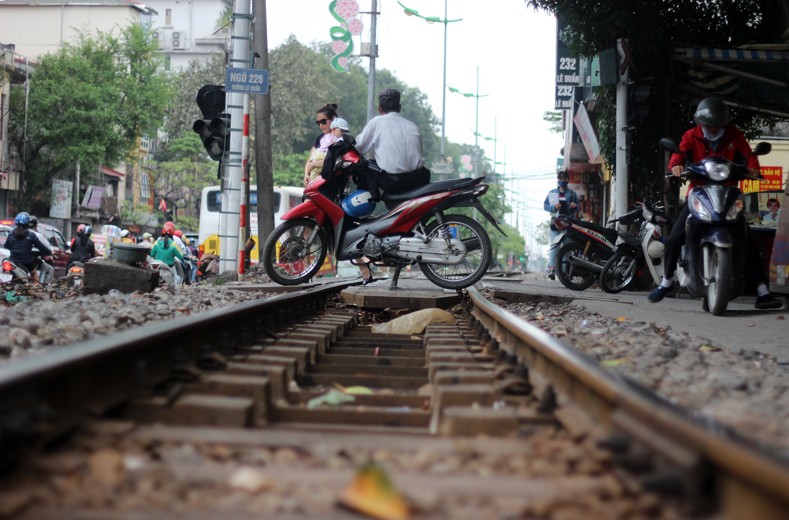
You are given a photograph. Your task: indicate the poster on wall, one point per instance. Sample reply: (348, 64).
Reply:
(60, 207)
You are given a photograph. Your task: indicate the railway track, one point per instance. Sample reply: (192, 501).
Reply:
(273, 406)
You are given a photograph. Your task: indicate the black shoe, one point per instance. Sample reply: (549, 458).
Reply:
(659, 292)
(368, 280)
(552, 276)
(768, 301)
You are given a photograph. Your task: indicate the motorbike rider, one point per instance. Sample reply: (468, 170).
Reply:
(166, 250)
(47, 272)
(713, 135)
(82, 247)
(396, 145)
(559, 201)
(20, 244)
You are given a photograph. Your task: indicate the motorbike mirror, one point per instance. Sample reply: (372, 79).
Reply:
(762, 148)
(669, 145)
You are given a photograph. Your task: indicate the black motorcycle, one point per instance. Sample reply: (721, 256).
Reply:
(584, 247)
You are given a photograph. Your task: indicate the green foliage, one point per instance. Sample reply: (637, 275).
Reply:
(289, 169)
(653, 29)
(182, 111)
(554, 120)
(89, 102)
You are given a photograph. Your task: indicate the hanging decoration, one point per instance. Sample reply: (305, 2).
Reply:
(346, 12)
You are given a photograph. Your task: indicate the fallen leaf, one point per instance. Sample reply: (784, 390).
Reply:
(615, 362)
(372, 493)
(709, 348)
(620, 319)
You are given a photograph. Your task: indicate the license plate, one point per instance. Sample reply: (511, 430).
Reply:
(5, 277)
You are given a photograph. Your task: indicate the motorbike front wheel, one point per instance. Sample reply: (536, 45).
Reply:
(478, 253)
(619, 272)
(294, 252)
(720, 280)
(573, 276)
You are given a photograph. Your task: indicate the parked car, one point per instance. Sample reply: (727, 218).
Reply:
(60, 249)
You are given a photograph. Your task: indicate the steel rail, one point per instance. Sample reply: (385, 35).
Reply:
(741, 478)
(44, 397)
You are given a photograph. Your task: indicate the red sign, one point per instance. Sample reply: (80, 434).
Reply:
(773, 180)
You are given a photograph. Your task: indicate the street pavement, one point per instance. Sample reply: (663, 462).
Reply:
(742, 326)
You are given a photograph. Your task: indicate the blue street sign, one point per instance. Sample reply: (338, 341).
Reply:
(247, 81)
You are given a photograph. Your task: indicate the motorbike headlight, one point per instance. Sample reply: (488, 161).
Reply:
(717, 171)
(698, 208)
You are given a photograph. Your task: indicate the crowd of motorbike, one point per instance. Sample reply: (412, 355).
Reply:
(711, 264)
(81, 250)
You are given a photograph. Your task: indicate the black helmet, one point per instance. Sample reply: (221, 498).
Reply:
(33, 221)
(711, 112)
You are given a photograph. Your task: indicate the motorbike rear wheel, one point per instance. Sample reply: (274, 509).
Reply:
(288, 256)
(574, 277)
(619, 272)
(718, 291)
(478, 253)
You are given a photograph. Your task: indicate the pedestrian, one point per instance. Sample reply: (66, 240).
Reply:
(324, 117)
(713, 135)
(559, 201)
(396, 145)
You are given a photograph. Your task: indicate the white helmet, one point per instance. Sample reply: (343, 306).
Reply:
(655, 249)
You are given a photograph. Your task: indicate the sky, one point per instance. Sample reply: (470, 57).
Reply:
(513, 47)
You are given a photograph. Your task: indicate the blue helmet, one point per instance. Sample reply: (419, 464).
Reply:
(358, 204)
(23, 219)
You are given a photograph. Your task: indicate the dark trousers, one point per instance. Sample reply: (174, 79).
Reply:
(754, 270)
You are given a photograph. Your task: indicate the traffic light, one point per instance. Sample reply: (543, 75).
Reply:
(214, 127)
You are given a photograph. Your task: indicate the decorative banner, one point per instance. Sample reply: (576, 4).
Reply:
(60, 206)
(773, 177)
(347, 13)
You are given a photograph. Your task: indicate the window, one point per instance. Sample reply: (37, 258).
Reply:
(145, 192)
(215, 201)
(168, 17)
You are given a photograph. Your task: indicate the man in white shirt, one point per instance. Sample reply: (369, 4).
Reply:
(396, 145)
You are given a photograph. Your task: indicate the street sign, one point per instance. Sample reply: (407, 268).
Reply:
(247, 81)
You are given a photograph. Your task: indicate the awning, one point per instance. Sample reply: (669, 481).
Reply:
(112, 173)
(755, 77)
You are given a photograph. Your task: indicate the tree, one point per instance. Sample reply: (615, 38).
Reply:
(89, 103)
(652, 30)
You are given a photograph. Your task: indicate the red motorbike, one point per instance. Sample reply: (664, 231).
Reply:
(452, 250)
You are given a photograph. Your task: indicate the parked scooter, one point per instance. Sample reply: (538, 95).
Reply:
(584, 248)
(711, 264)
(642, 246)
(452, 250)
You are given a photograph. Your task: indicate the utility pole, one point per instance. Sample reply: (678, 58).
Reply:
(371, 104)
(621, 185)
(229, 216)
(264, 167)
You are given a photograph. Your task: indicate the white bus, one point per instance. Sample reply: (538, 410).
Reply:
(285, 198)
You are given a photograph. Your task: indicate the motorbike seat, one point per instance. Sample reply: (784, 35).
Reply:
(393, 199)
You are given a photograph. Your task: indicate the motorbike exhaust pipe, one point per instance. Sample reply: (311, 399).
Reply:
(582, 262)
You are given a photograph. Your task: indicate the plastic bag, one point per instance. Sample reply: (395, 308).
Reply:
(414, 323)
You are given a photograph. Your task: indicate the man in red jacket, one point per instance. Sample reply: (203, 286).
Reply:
(713, 135)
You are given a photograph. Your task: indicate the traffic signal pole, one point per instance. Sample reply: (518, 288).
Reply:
(229, 218)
